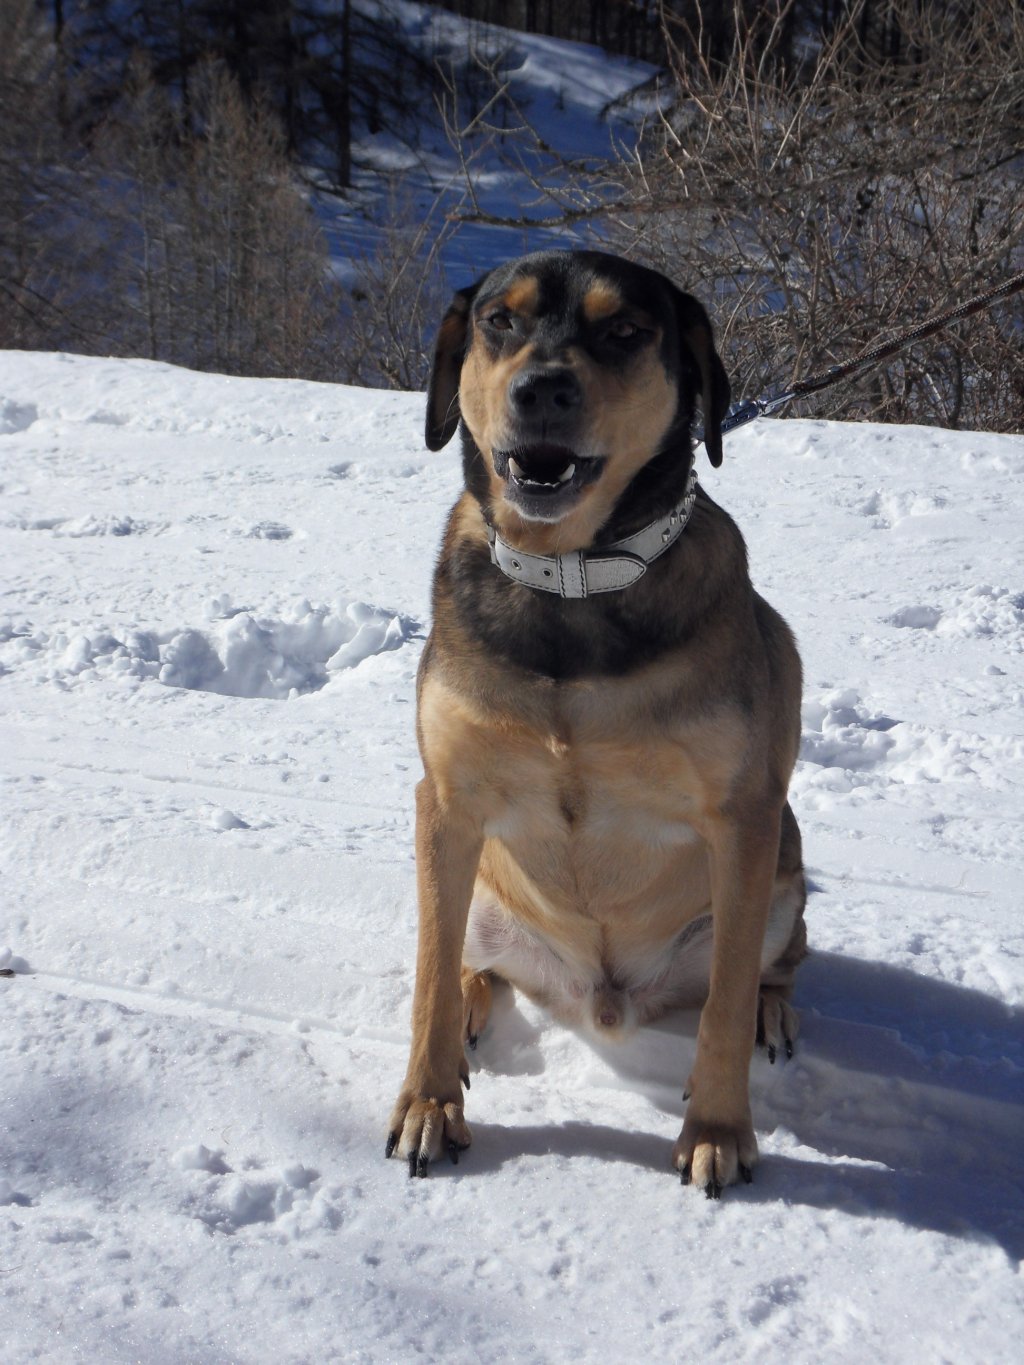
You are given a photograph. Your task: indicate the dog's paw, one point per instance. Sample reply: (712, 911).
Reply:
(477, 994)
(422, 1129)
(777, 1023)
(712, 1155)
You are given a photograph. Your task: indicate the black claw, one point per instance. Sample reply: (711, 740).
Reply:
(684, 1175)
(412, 1164)
(453, 1152)
(472, 1040)
(746, 1173)
(421, 1165)
(464, 1078)
(686, 1095)
(392, 1144)
(759, 1036)
(789, 1048)
(771, 1053)
(713, 1190)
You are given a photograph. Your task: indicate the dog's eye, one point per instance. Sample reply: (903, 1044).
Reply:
(623, 330)
(500, 321)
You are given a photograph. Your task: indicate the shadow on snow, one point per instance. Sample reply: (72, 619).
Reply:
(903, 1101)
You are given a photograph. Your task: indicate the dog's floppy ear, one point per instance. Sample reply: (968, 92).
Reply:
(696, 337)
(449, 353)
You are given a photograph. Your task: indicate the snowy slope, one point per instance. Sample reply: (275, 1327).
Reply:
(214, 597)
(564, 92)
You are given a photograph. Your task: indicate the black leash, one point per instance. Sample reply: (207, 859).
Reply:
(764, 407)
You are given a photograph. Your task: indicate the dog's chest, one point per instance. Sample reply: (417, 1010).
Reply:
(588, 800)
(595, 823)
(591, 792)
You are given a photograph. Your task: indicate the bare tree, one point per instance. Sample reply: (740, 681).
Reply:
(29, 148)
(818, 209)
(392, 308)
(820, 173)
(207, 251)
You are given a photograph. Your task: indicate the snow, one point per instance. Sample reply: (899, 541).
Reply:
(215, 593)
(572, 96)
(241, 655)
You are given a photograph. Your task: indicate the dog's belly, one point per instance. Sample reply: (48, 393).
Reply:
(608, 981)
(593, 892)
(605, 917)
(595, 908)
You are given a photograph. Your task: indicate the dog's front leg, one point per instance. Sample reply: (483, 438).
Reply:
(717, 1142)
(427, 1118)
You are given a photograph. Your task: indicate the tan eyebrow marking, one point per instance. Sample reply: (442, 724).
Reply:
(522, 295)
(601, 301)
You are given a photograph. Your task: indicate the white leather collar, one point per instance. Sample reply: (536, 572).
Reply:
(582, 572)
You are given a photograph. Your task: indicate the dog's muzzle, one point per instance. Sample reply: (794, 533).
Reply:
(544, 479)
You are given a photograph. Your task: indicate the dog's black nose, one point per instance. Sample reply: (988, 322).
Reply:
(545, 393)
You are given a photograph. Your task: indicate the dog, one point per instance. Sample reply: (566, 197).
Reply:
(608, 713)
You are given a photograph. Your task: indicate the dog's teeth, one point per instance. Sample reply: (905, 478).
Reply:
(521, 476)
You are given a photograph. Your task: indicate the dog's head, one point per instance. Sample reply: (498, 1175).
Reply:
(572, 372)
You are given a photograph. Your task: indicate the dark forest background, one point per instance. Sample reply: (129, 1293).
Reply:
(818, 171)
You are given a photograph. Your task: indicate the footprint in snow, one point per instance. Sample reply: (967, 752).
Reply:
(9, 1195)
(266, 530)
(15, 417)
(228, 1200)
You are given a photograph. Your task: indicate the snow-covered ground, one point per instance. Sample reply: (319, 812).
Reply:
(214, 597)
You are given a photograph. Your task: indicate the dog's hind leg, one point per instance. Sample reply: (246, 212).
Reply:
(477, 994)
(777, 1021)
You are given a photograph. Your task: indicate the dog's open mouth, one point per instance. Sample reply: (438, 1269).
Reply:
(543, 480)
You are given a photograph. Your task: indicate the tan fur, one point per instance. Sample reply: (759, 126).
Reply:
(629, 416)
(522, 296)
(601, 301)
(572, 834)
